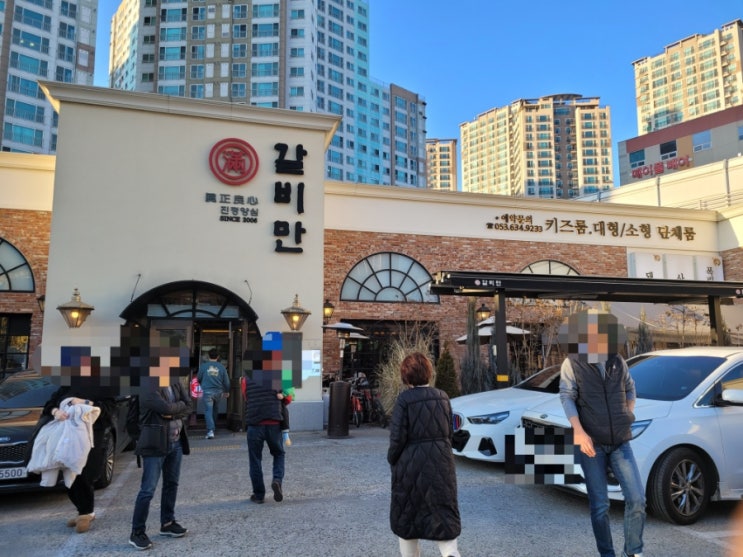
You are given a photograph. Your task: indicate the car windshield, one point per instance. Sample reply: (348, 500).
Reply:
(545, 381)
(26, 392)
(667, 377)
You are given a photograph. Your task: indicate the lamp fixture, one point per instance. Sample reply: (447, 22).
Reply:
(41, 301)
(327, 311)
(75, 312)
(295, 315)
(483, 313)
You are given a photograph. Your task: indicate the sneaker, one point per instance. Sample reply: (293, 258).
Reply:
(257, 500)
(631, 555)
(140, 540)
(209, 435)
(278, 495)
(174, 530)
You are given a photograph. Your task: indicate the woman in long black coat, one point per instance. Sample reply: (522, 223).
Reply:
(424, 482)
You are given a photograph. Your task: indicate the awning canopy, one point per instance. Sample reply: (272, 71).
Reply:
(588, 288)
(578, 287)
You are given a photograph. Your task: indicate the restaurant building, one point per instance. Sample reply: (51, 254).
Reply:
(191, 224)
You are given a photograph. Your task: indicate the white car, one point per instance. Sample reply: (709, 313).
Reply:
(687, 435)
(482, 420)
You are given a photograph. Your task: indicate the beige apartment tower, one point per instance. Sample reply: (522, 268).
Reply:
(441, 161)
(693, 77)
(555, 147)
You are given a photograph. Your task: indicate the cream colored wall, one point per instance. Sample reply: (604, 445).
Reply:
(131, 179)
(389, 209)
(27, 181)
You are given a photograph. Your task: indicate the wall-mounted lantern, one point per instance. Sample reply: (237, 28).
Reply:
(75, 312)
(295, 315)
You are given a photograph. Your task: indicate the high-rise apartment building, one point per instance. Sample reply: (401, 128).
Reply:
(441, 164)
(556, 146)
(306, 55)
(41, 40)
(695, 76)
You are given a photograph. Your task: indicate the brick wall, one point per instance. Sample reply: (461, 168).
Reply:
(438, 253)
(28, 232)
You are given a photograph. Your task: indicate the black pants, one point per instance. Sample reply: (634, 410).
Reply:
(81, 492)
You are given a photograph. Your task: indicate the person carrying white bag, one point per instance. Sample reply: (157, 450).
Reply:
(63, 444)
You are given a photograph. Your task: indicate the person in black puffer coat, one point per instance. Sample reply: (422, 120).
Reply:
(424, 482)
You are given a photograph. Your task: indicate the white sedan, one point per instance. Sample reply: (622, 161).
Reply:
(687, 435)
(482, 420)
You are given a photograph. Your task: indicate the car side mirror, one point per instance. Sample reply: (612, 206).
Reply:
(733, 396)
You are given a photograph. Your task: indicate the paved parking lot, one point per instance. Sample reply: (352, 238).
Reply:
(336, 504)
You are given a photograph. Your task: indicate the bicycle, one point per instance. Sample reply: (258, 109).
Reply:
(357, 409)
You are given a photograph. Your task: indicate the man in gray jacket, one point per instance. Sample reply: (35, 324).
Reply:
(598, 396)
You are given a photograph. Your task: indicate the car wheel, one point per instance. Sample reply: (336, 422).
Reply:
(108, 461)
(680, 487)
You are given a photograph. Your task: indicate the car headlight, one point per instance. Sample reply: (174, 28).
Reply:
(639, 427)
(488, 419)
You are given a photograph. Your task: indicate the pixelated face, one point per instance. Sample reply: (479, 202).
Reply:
(591, 335)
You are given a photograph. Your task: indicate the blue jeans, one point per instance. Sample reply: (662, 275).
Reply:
(152, 467)
(211, 408)
(622, 462)
(271, 435)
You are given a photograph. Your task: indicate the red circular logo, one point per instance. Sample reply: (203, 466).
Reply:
(233, 161)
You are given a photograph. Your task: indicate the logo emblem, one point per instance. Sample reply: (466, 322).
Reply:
(233, 161)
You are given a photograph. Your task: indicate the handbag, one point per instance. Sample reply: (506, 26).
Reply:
(153, 436)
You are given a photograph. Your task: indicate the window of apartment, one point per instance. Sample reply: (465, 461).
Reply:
(148, 77)
(269, 89)
(197, 91)
(265, 30)
(68, 9)
(296, 53)
(197, 71)
(668, 150)
(239, 91)
(22, 134)
(173, 34)
(637, 158)
(24, 111)
(197, 52)
(67, 31)
(198, 32)
(296, 71)
(171, 72)
(240, 11)
(740, 133)
(198, 14)
(265, 69)
(702, 140)
(296, 91)
(297, 33)
(65, 53)
(239, 31)
(266, 10)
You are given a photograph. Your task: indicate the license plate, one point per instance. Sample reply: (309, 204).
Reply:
(13, 473)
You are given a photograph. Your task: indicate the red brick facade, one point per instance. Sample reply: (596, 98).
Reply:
(439, 253)
(28, 232)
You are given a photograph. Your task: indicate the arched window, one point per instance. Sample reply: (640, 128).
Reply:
(549, 267)
(15, 272)
(388, 277)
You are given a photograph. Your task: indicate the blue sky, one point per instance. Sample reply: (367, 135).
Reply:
(467, 56)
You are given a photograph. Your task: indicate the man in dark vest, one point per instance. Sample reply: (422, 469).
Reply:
(598, 396)
(262, 418)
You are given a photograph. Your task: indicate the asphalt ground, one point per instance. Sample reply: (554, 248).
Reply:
(336, 499)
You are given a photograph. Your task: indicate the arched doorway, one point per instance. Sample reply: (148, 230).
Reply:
(200, 316)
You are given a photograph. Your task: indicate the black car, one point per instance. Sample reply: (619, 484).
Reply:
(22, 398)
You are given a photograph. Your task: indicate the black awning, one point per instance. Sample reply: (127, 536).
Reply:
(578, 287)
(189, 299)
